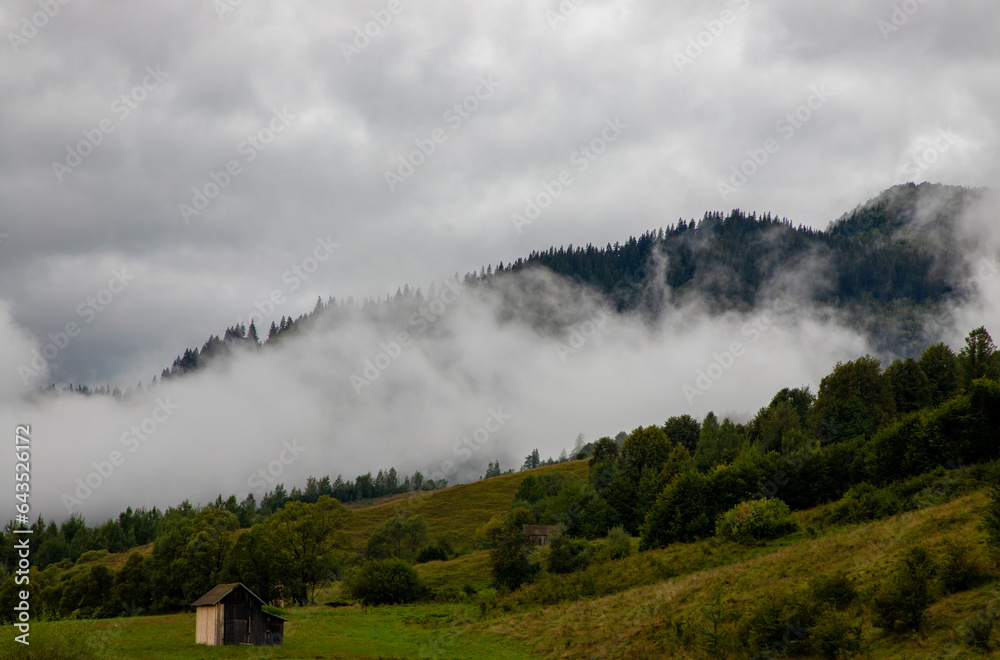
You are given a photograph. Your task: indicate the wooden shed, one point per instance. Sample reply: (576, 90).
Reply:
(539, 534)
(232, 614)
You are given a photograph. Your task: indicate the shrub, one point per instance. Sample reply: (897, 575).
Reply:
(485, 537)
(833, 636)
(779, 623)
(442, 551)
(756, 520)
(486, 600)
(979, 628)
(567, 555)
(618, 544)
(905, 596)
(836, 590)
(385, 582)
(511, 564)
(864, 502)
(958, 571)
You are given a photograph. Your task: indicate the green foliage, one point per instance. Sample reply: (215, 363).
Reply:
(441, 551)
(510, 557)
(604, 449)
(679, 513)
(904, 597)
(397, 538)
(755, 521)
(835, 589)
(911, 389)
(991, 519)
(958, 570)
(779, 623)
(856, 399)
(683, 430)
(717, 443)
(644, 448)
(940, 364)
(979, 629)
(566, 554)
(834, 635)
(979, 357)
(618, 545)
(385, 582)
(310, 540)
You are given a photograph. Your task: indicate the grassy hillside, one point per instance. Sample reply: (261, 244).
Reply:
(455, 512)
(671, 618)
(683, 601)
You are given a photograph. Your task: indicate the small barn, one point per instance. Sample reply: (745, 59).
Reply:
(232, 614)
(539, 534)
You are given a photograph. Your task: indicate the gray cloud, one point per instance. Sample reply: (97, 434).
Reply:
(323, 175)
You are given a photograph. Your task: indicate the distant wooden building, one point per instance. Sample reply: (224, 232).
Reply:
(539, 534)
(232, 614)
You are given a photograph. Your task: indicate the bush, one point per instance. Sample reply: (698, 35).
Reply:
(833, 636)
(567, 555)
(385, 582)
(779, 623)
(618, 544)
(756, 520)
(905, 596)
(836, 590)
(485, 537)
(979, 628)
(864, 502)
(958, 571)
(442, 551)
(487, 600)
(509, 558)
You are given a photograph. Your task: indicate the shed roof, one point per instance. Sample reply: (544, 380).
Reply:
(219, 592)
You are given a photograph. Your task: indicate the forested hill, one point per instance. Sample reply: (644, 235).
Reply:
(898, 247)
(884, 267)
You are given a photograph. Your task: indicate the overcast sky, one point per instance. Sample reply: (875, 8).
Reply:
(168, 166)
